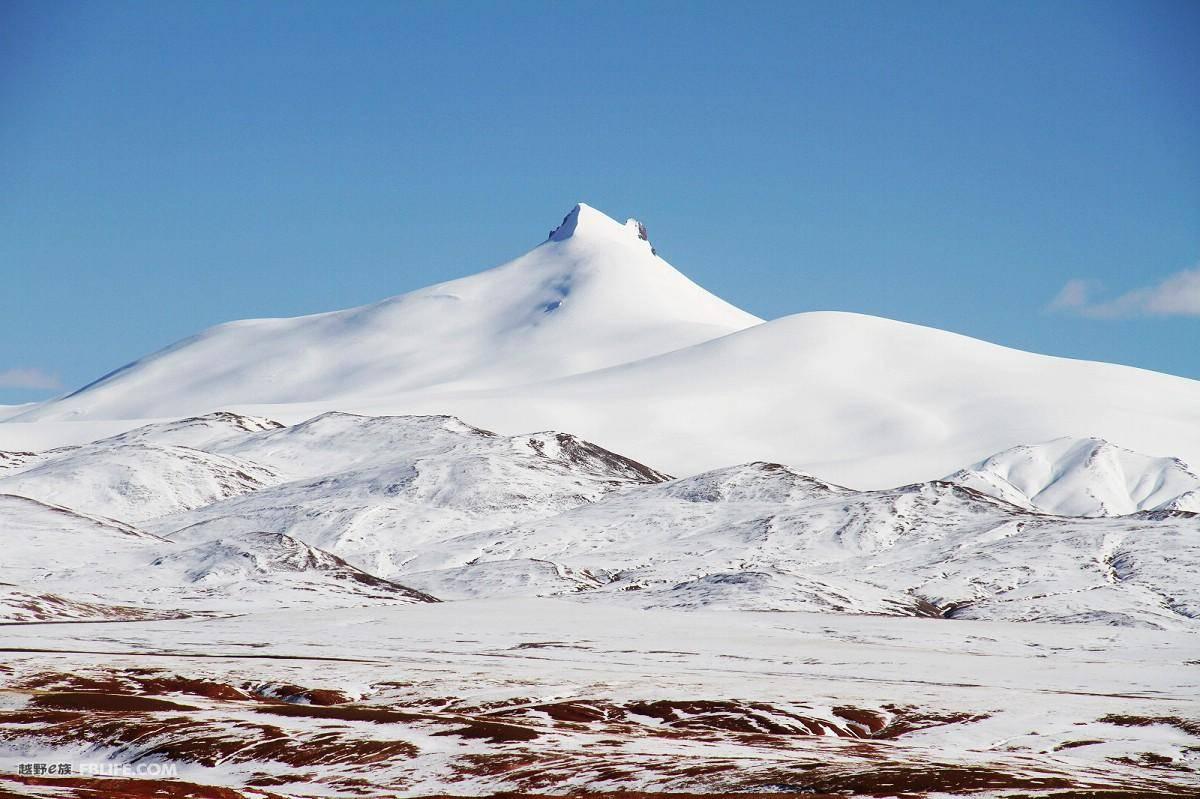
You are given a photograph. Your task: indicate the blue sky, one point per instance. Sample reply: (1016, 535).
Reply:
(1027, 173)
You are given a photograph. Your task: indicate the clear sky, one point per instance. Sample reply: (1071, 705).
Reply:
(1027, 173)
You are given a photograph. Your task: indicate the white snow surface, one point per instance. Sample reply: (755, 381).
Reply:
(8, 411)
(1084, 477)
(436, 504)
(660, 701)
(863, 401)
(762, 537)
(61, 565)
(371, 489)
(134, 482)
(40, 539)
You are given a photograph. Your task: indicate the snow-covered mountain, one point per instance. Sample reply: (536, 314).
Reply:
(280, 569)
(371, 488)
(40, 538)
(603, 625)
(59, 564)
(586, 598)
(135, 482)
(197, 432)
(593, 295)
(762, 537)
(863, 401)
(348, 503)
(1084, 477)
(62, 565)
(591, 332)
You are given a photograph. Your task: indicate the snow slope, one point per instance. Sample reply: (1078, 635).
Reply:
(367, 488)
(8, 411)
(762, 537)
(134, 482)
(60, 565)
(1083, 477)
(63, 565)
(591, 296)
(862, 401)
(283, 571)
(41, 538)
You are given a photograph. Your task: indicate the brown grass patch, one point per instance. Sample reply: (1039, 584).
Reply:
(107, 703)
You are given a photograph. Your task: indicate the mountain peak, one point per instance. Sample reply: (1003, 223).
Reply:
(584, 221)
(1082, 477)
(591, 297)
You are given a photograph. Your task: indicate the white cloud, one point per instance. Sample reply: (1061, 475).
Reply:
(28, 378)
(1174, 295)
(1074, 294)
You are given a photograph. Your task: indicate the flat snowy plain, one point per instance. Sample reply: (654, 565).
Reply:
(693, 552)
(551, 695)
